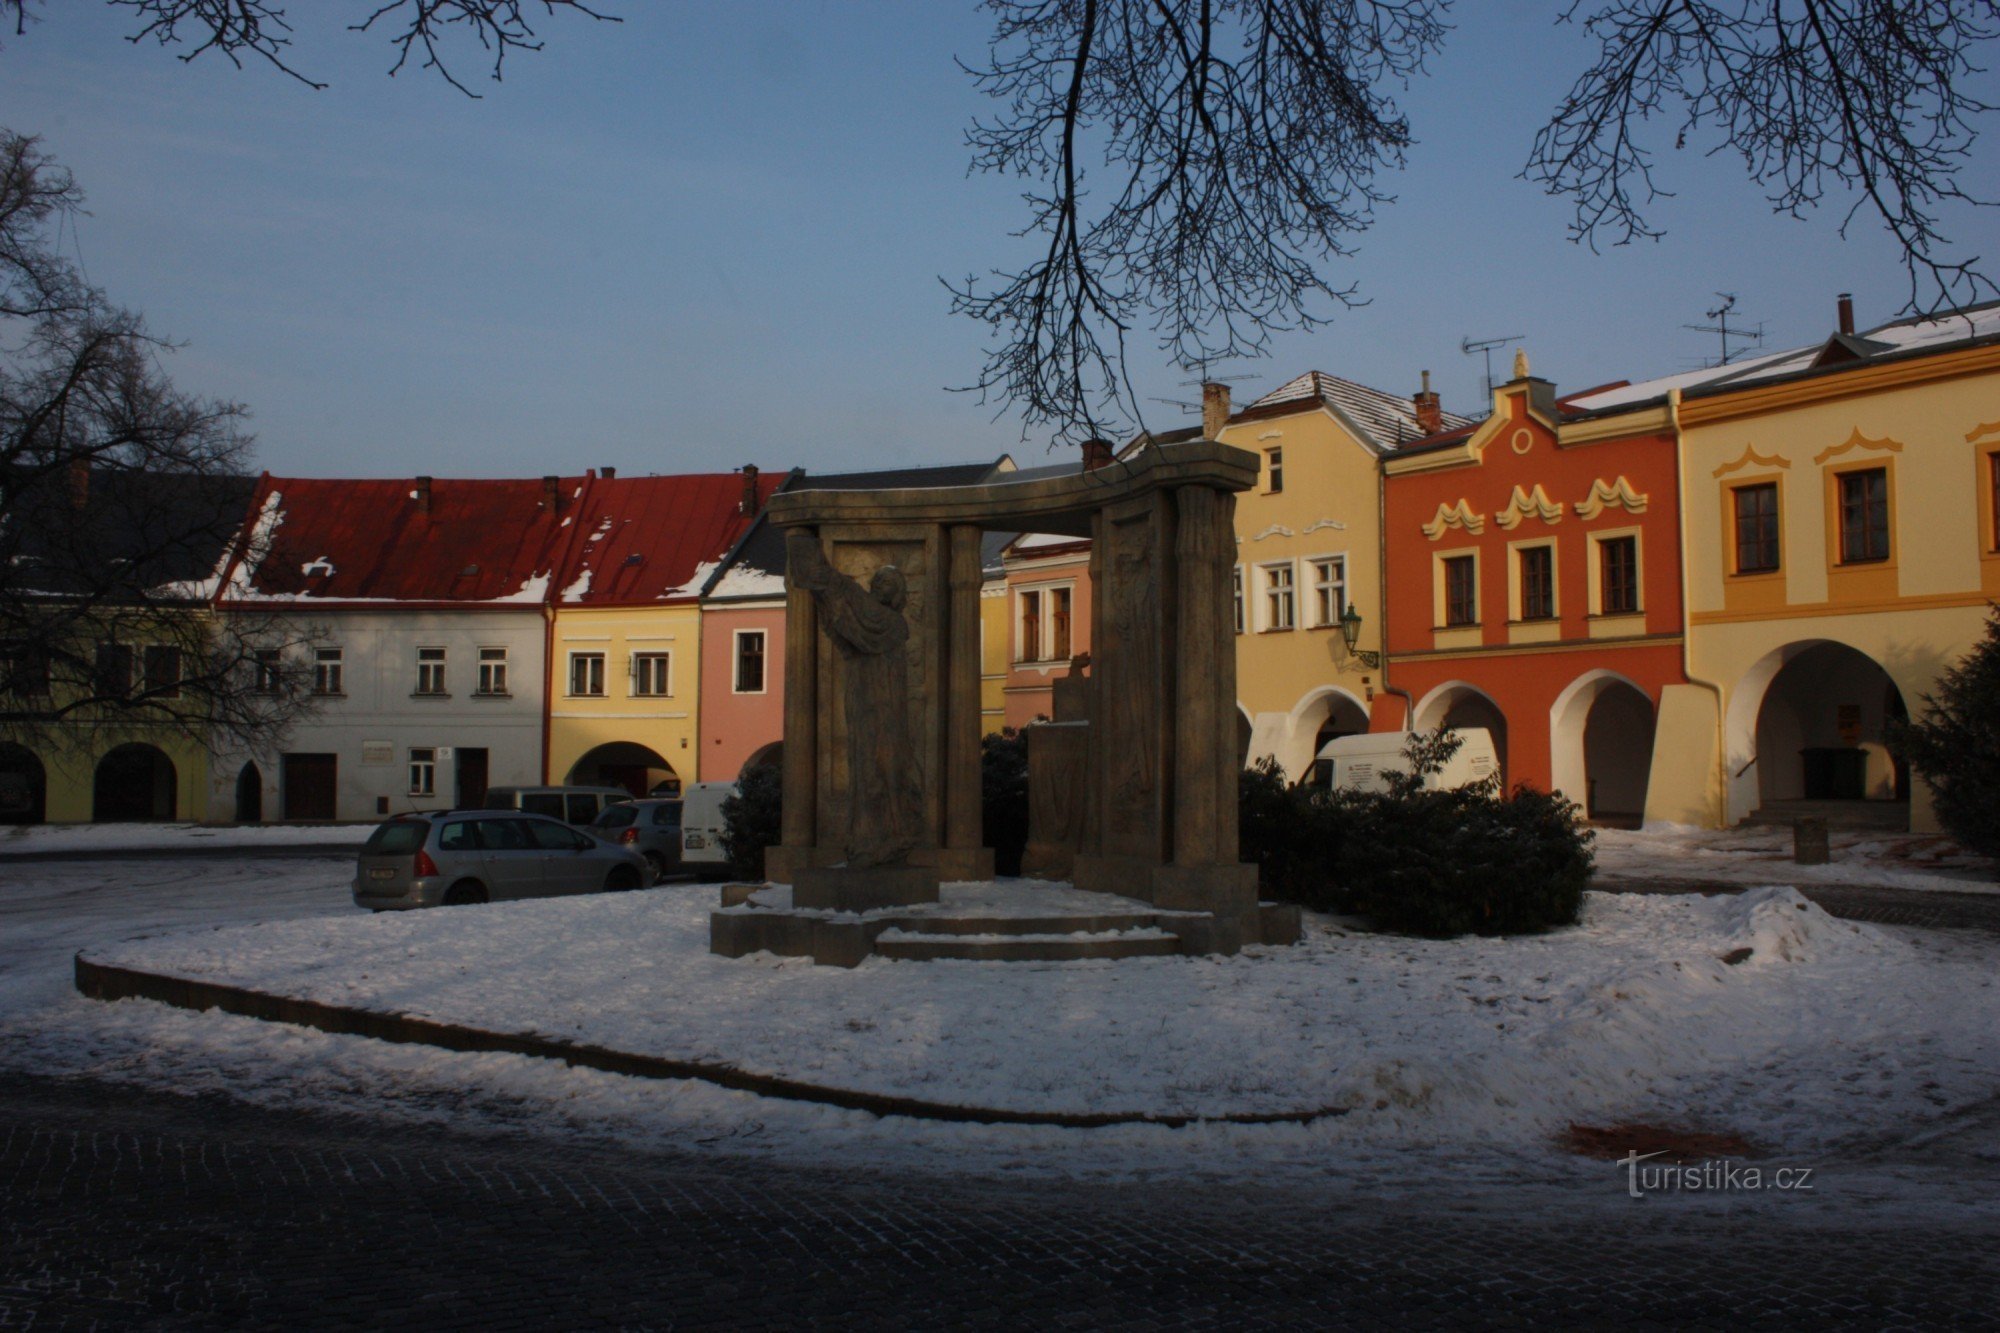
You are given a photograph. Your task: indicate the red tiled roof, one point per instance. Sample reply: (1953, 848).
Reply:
(340, 540)
(649, 539)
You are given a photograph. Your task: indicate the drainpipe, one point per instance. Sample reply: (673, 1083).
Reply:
(1687, 613)
(548, 678)
(1382, 591)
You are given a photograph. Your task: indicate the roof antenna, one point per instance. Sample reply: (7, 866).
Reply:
(1721, 326)
(1474, 347)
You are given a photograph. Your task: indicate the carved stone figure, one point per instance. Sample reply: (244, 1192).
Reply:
(868, 628)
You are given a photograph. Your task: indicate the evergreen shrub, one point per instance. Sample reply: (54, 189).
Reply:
(753, 819)
(1003, 798)
(1955, 744)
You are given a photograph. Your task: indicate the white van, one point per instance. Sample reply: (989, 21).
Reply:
(702, 826)
(1357, 763)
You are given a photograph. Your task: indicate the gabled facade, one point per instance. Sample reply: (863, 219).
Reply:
(424, 601)
(627, 635)
(1534, 590)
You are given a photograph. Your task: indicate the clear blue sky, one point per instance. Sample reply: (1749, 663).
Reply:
(713, 234)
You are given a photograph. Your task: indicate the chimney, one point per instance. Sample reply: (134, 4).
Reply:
(1096, 454)
(552, 493)
(424, 495)
(1847, 312)
(607, 472)
(79, 482)
(1214, 409)
(748, 504)
(1430, 416)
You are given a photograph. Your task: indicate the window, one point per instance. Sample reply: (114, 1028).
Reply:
(1993, 463)
(1031, 627)
(586, 674)
(430, 671)
(1280, 600)
(750, 661)
(1461, 591)
(652, 674)
(1274, 467)
(24, 671)
(269, 671)
(1538, 583)
(1864, 515)
(423, 771)
(113, 676)
(163, 671)
(1757, 528)
(1236, 595)
(1059, 624)
(492, 670)
(327, 671)
(1618, 575)
(1329, 590)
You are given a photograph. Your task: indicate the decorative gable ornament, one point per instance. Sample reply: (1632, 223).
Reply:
(1459, 515)
(1524, 503)
(1610, 495)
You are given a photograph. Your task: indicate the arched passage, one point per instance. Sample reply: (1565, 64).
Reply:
(769, 756)
(637, 768)
(134, 782)
(1809, 722)
(1601, 745)
(1324, 715)
(1462, 706)
(24, 786)
(250, 795)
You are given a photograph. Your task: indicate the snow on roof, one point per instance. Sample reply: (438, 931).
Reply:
(1387, 418)
(656, 538)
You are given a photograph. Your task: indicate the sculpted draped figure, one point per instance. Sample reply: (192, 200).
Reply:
(885, 797)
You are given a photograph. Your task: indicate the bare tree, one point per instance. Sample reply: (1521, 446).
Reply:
(120, 497)
(1240, 144)
(261, 29)
(1241, 141)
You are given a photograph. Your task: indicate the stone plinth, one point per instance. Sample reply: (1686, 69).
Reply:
(861, 889)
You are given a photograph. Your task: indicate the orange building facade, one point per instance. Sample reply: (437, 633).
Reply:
(1534, 590)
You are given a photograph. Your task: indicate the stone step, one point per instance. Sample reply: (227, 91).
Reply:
(1071, 924)
(913, 946)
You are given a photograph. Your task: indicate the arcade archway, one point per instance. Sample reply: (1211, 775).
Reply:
(134, 782)
(637, 768)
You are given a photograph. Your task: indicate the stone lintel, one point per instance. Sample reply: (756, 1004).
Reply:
(860, 889)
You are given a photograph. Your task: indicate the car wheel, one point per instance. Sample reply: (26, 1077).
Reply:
(465, 893)
(657, 864)
(620, 879)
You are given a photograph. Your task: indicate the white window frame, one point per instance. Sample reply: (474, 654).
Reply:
(1595, 574)
(1274, 470)
(1236, 595)
(576, 659)
(1517, 583)
(764, 656)
(431, 671)
(1274, 596)
(423, 770)
(1043, 649)
(492, 671)
(268, 666)
(1321, 585)
(329, 672)
(641, 663)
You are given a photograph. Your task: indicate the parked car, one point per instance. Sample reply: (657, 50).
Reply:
(454, 857)
(702, 826)
(572, 805)
(650, 827)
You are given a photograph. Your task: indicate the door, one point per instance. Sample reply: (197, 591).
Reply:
(513, 863)
(311, 783)
(471, 792)
(250, 795)
(566, 864)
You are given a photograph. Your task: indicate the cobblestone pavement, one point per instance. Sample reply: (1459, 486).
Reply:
(1857, 902)
(123, 1208)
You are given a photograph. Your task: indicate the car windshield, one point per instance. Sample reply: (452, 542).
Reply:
(398, 838)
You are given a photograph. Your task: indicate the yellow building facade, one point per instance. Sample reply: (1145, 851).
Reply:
(624, 695)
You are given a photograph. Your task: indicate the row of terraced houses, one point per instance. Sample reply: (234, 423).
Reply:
(1700, 598)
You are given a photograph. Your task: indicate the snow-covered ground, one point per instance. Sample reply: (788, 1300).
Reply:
(1763, 855)
(1459, 1061)
(85, 838)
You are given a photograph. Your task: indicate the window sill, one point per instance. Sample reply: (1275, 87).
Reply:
(329, 694)
(1277, 629)
(430, 694)
(492, 694)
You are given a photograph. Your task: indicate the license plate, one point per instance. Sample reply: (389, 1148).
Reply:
(696, 840)
(384, 873)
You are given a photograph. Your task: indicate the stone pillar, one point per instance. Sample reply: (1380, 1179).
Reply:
(1205, 679)
(963, 855)
(801, 755)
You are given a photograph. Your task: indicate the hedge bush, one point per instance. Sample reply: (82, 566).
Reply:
(753, 819)
(1418, 861)
(1955, 744)
(1003, 798)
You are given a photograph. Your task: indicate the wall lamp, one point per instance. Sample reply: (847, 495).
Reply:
(1350, 633)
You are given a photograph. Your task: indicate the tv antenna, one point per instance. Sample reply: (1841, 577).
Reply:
(1721, 326)
(1474, 347)
(1195, 406)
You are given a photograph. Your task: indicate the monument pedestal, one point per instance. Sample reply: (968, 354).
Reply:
(863, 888)
(1225, 890)
(961, 863)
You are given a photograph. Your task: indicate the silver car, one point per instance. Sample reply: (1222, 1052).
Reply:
(454, 857)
